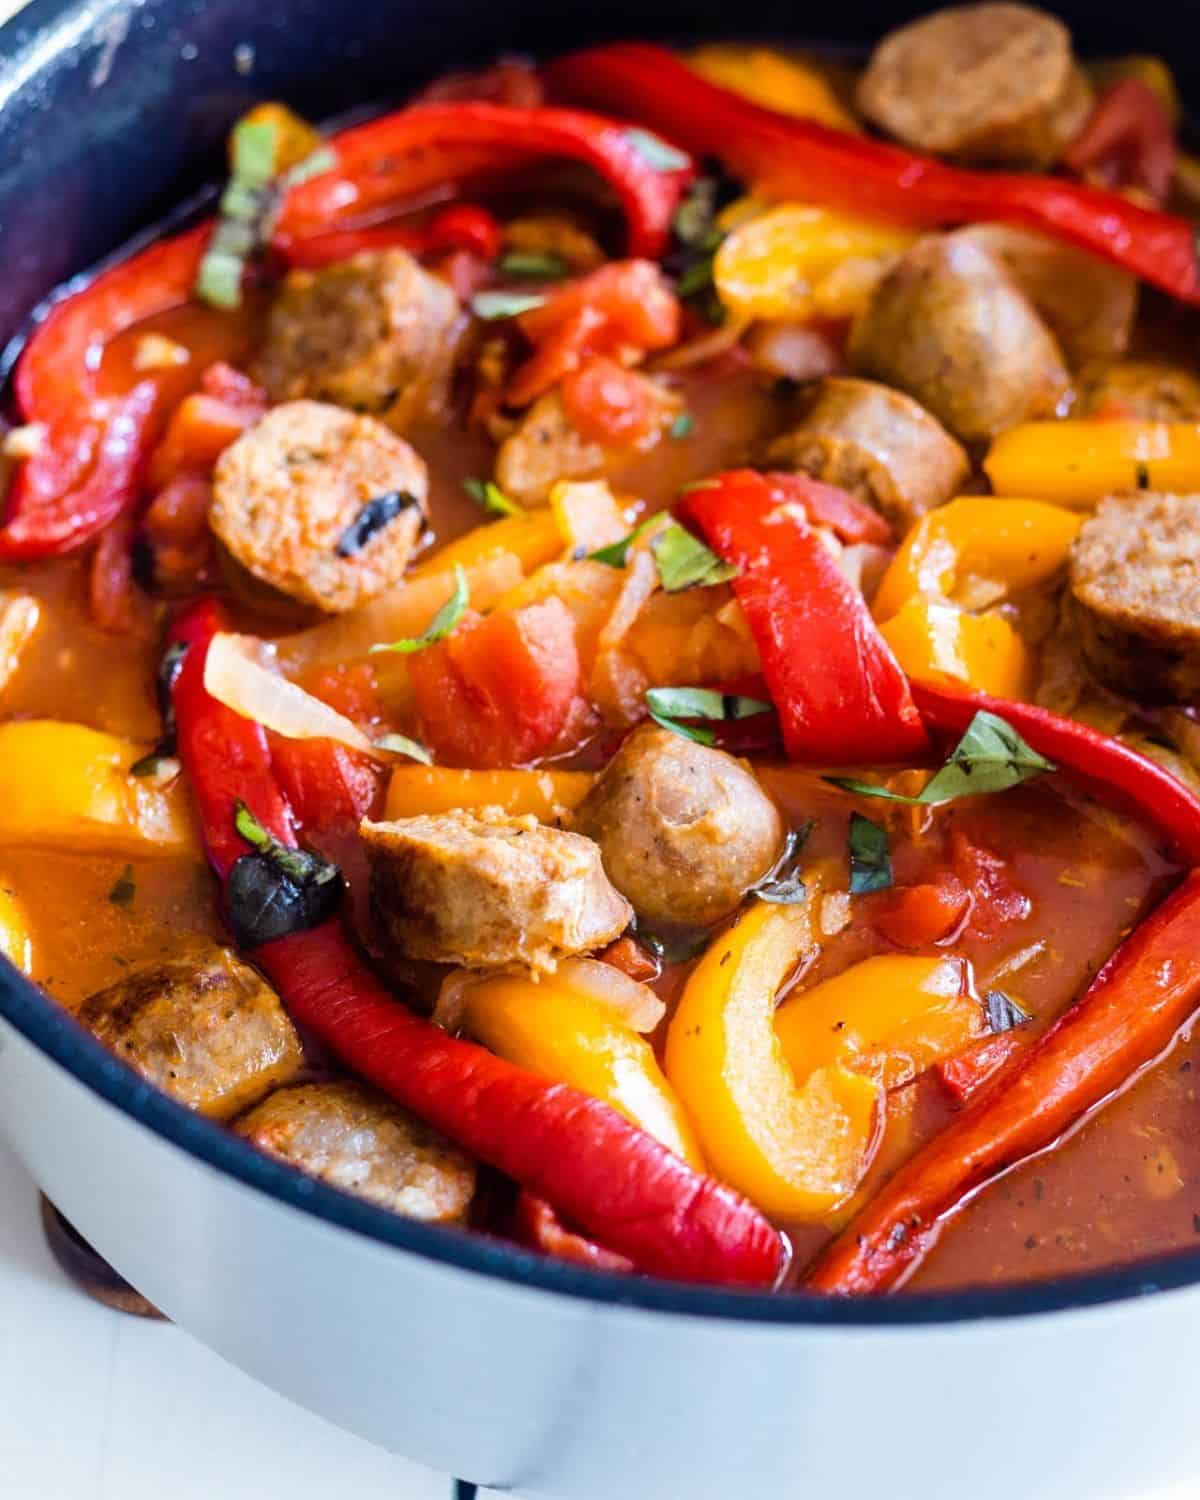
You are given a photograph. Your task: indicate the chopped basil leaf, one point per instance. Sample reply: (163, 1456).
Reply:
(1003, 1012)
(494, 305)
(538, 265)
(616, 554)
(254, 148)
(656, 152)
(667, 706)
(697, 277)
(675, 948)
(219, 280)
(693, 221)
(783, 886)
(684, 562)
(990, 757)
(276, 890)
(492, 498)
(373, 517)
(169, 669)
(321, 160)
(442, 623)
(400, 744)
(683, 425)
(870, 859)
(123, 888)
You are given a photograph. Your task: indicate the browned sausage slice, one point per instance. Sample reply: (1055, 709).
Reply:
(684, 830)
(483, 889)
(320, 504)
(1135, 587)
(949, 325)
(358, 1140)
(877, 443)
(204, 1027)
(990, 83)
(1139, 389)
(376, 333)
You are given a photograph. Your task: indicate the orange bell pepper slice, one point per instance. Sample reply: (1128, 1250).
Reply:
(1079, 462)
(796, 1148)
(930, 638)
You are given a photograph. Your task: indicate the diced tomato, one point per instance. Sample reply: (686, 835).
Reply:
(913, 916)
(499, 690)
(176, 529)
(352, 689)
(204, 424)
(607, 403)
(628, 955)
(996, 900)
(625, 305)
(331, 788)
(967, 1072)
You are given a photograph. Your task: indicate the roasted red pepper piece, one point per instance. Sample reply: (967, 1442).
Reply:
(799, 159)
(1129, 1016)
(88, 469)
(1104, 766)
(462, 227)
(402, 155)
(1128, 141)
(601, 1173)
(966, 1073)
(536, 1224)
(839, 692)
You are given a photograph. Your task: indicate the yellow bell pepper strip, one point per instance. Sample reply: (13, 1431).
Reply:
(65, 786)
(415, 791)
(15, 941)
(774, 80)
(791, 263)
(932, 638)
(1078, 463)
(1011, 544)
(890, 1017)
(533, 538)
(549, 1029)
(795, 1148)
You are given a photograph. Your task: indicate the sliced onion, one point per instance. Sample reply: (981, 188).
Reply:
(451, 1004)
(636, 1004)
(240, 672)
(706, 346)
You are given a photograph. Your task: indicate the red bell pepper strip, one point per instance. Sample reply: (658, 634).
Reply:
(400, 156)
(89, 466)
(792, 158)
(537, 1225)
(1128, 141)
(839, 692)
(1110, 770)
(601, 1172)
(1129, 1016)
(462, 227)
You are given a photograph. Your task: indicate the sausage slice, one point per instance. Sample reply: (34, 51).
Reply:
(876, 442)
(320, 504)
(358, 1140)
(949, 325)
(205, 1028)
(483, 889)
(545, 447)
(376, 333)
(989, 83)
(684, 830)
(1135, 595)
(1139, 389)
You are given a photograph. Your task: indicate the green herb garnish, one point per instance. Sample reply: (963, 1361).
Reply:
(783, 886)
(1003, 1012)
(870, 859)
(491, 498)
(123, 888)
(693, 221)
(372, 518)
(684, 562)
(492, 306)
(656, 152)
(538, 265)
(442, 623)
(990, 757)
(616, 554)
(275, 890)
(667, 706)
(683, 425)
(400, 744)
